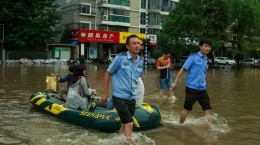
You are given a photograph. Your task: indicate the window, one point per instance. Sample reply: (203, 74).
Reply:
(153, 31)
(84, 25)
(248, 60)
(85, 8)
(101, 11)
(154, 19)
(120, 2)
(143, 4)
(102, 27)
(142, 30)
(118, 28)
(142, 18)
(167, 5)
(122, 19)
(154, 4)
(119, 12)
(172, 4)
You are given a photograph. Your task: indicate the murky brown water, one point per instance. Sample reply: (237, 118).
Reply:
(234, 96)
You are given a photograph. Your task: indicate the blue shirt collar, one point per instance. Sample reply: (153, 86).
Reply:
(130, 57)
(200, 54)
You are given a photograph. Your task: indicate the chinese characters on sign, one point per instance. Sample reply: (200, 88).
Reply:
(98, 36)
(84, 35)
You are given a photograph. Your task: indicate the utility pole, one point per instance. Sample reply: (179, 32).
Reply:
(146, 33)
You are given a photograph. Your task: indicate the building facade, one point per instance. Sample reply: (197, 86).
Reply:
(101, 26)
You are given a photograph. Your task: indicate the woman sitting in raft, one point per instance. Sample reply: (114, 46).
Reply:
(78, 96)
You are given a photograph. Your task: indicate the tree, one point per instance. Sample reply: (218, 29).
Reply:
(244, 28)
(193, 20)
(29, 24)
(66, 35)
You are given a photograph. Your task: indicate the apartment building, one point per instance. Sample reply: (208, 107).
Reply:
(101, 26)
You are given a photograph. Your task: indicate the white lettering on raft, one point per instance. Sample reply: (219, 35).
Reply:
(94, 115)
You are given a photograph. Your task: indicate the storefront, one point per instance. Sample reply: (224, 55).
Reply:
(98, 44)
(95, 44)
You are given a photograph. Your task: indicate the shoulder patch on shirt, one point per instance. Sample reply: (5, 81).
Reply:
(198, 60)
(139, 66)
(125, 63)
(122, 54)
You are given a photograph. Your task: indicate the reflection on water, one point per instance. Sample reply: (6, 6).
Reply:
(234, 97)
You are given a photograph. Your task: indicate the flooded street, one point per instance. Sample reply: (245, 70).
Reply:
(234, 97)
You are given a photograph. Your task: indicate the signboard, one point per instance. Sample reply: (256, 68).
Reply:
(153, 39)
(84, 35)
(124, 35)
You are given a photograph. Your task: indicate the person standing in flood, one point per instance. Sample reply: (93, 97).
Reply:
(195, 90)
(164, 65)
(125, 70)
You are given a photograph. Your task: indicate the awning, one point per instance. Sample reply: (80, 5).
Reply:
(73, 42)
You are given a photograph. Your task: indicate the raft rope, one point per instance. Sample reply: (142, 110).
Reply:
(152, 92)
(165, 100)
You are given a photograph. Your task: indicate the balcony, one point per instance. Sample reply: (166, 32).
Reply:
(116, 4)
(116, 20)
(154, 8)
(120, 2)
(165, 10)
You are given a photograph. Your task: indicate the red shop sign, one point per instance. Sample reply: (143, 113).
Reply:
(85, 35)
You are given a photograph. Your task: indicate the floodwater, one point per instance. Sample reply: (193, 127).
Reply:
(234, 97)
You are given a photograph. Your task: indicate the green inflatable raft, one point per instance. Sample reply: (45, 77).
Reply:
(146, 117)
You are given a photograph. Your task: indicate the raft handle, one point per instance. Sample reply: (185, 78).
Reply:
(152, 117)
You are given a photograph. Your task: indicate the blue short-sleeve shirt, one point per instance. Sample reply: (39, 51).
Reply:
(196, 64)
(125, 74)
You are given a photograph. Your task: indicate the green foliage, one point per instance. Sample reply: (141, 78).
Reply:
(234, 21)
(245, 27)
(66, 35)
(195, 20)
(158, 53)
(29, 24)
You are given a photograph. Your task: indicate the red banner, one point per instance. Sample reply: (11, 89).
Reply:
(84, 35)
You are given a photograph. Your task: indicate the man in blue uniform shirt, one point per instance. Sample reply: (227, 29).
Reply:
(125, 70)
(195, 90)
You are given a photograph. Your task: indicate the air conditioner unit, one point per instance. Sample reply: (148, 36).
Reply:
(105, 17)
